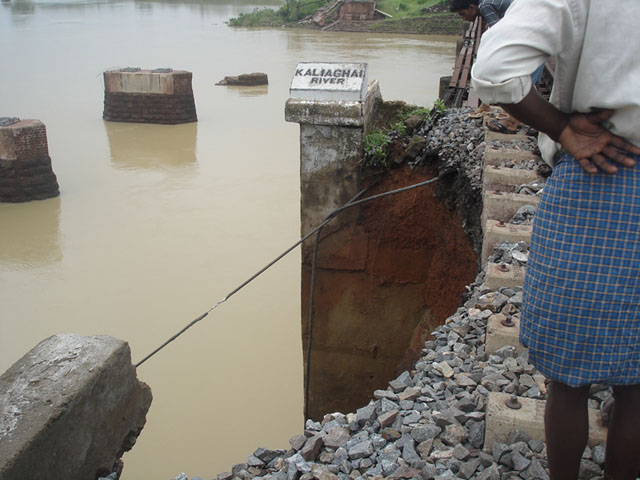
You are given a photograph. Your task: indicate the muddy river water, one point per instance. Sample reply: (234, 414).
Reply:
(157, 223)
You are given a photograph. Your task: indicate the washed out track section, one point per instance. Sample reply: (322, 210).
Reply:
(447, 417)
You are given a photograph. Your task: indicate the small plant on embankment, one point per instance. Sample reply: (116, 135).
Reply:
(290, 12)
(439, 106)
(400, 128)
(376, 145)
(379, 144)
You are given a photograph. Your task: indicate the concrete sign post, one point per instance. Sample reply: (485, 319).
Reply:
(334, 105)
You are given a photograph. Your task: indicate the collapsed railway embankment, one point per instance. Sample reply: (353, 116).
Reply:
(431, 418)
(470, 406)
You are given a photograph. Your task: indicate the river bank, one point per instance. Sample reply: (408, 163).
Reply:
(435, 24)
(404, 17)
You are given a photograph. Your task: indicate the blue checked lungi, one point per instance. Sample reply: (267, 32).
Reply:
(581, 312)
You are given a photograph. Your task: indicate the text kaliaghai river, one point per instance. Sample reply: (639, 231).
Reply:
(156, 223)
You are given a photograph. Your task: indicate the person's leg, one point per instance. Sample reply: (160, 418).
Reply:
(566, 423)
(623, 435)
(483, 107)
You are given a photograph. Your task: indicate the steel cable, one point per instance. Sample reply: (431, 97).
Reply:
(351, 203)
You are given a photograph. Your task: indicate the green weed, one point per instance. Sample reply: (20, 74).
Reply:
(375, 148)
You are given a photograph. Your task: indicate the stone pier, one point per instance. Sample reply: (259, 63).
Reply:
(333, 119)
(161, 95)
(25, 165)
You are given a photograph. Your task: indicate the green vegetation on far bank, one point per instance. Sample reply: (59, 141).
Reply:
(407, 8)
(289, 13)
(259, 18)
(296, 10)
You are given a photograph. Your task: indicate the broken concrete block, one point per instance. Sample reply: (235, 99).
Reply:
(246, 79)
(70, 408)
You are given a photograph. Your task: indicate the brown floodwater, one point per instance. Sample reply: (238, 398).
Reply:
(157, 223)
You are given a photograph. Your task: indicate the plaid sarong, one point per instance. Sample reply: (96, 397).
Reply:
(581, 311)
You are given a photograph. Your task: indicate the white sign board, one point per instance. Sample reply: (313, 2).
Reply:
(330, 81)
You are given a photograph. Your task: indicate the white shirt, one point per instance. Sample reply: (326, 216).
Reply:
(595, 43)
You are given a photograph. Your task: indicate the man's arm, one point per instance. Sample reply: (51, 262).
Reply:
(582, 135)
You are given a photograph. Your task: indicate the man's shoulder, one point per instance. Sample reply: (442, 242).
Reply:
(498, 4)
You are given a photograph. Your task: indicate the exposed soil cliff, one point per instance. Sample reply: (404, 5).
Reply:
(388, 275)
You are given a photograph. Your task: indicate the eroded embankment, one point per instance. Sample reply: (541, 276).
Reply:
(382, 283)
(432, 421)
(387, 274)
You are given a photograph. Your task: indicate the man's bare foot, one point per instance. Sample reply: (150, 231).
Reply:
(504, 123)
(481, 111)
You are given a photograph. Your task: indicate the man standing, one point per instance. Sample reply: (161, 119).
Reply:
(491, 12)
(580, 316)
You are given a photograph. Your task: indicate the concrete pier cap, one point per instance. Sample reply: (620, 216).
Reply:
(136, 80)
(332, 94)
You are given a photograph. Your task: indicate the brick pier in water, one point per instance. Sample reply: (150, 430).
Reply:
(25, 166)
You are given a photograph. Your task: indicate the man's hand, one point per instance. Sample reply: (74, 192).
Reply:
(595, 147)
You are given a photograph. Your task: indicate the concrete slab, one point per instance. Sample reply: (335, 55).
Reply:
(499, 335)
(496, 154)
(502, 206)
(503, 275)
(502, 420)
(529, 419)
(496, 232)
(490, 136)
(506, 179)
